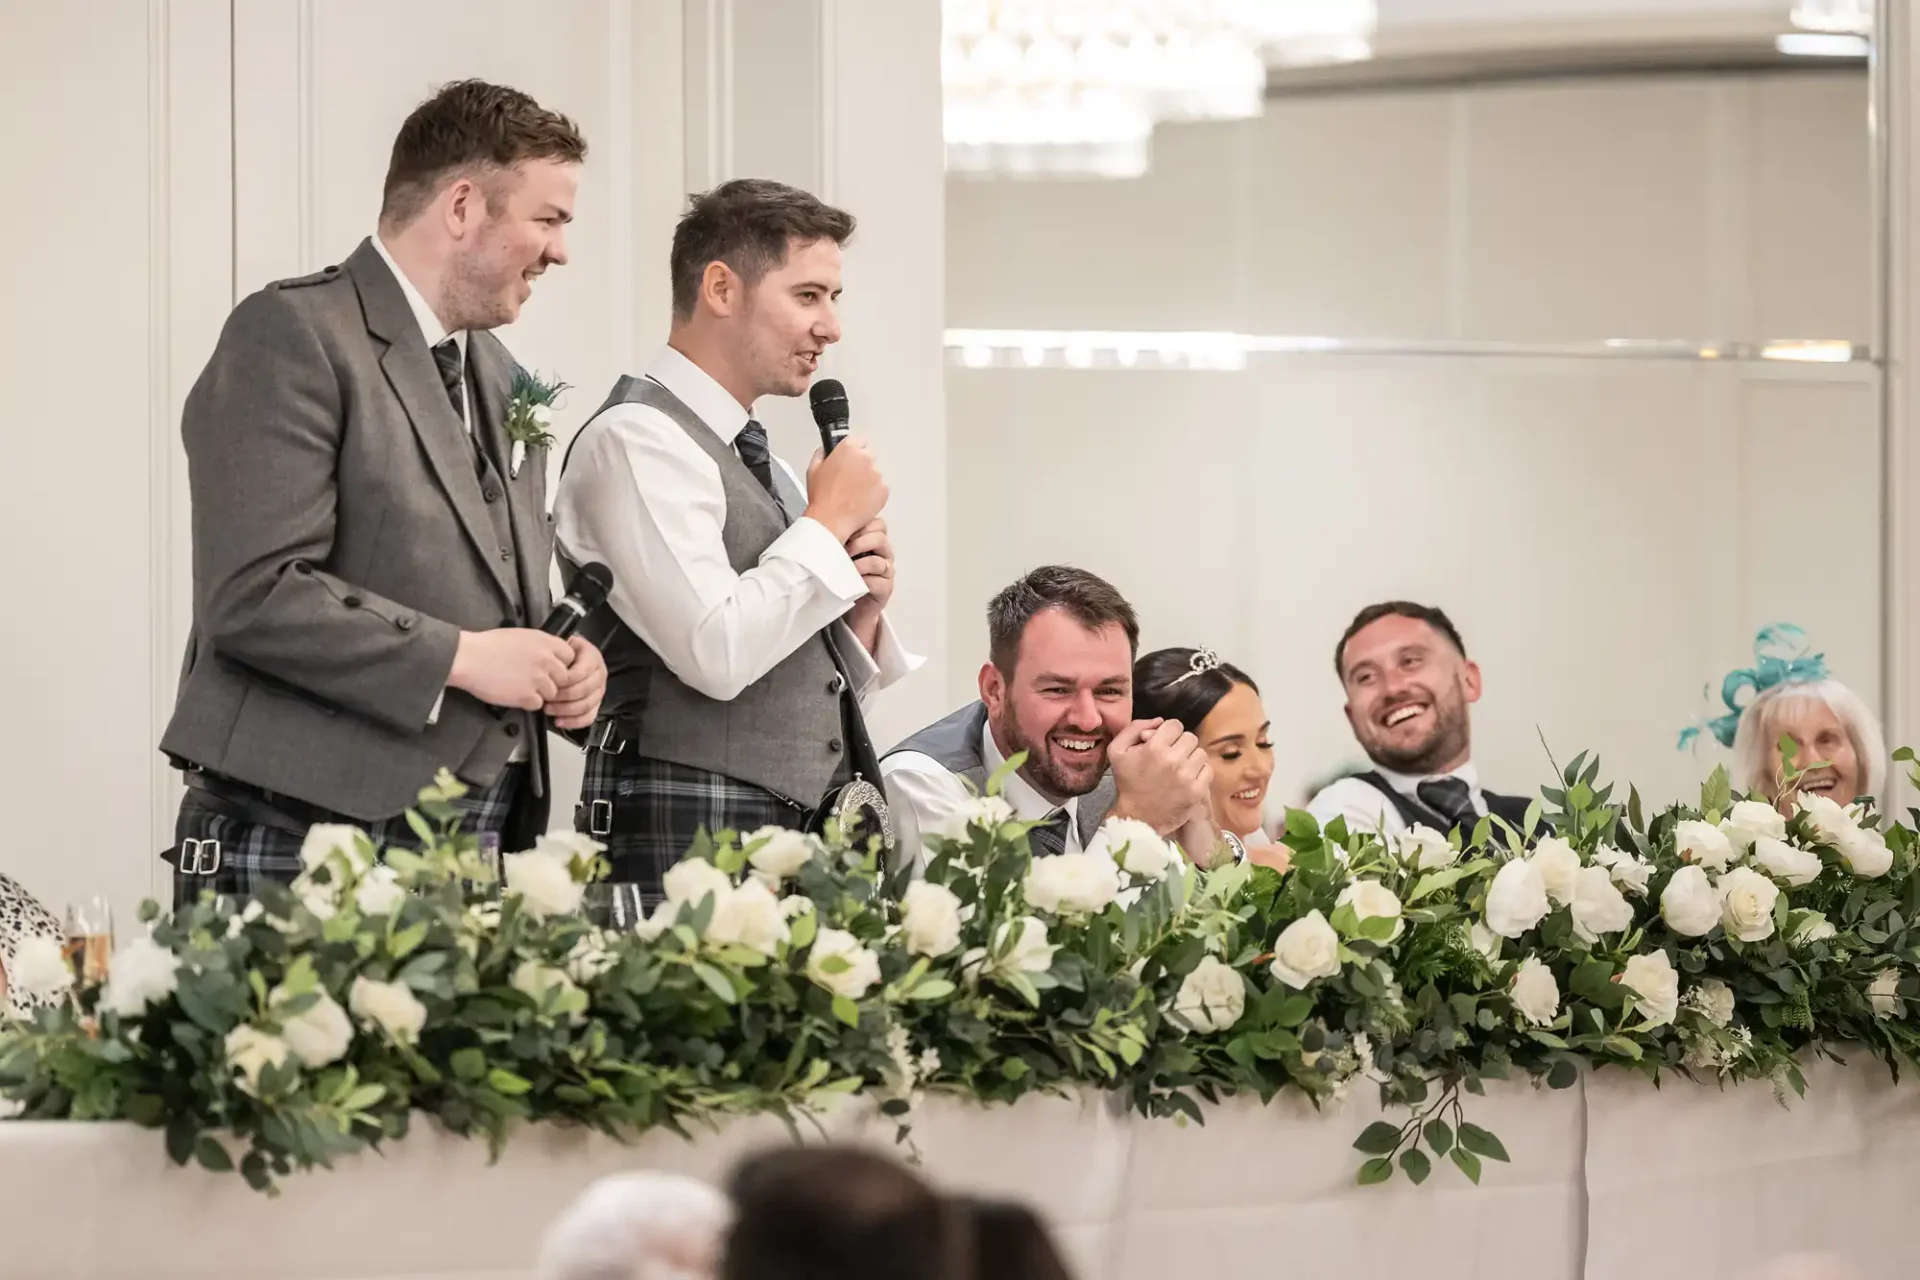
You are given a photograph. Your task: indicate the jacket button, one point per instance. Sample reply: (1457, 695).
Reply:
(506, 553)
(301, 566)
(833, 744)
(491, 494)
(837, 685)
(513, 728)
(405, 624)
(352, 602)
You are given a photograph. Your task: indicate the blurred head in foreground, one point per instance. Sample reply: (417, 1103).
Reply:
(637, 1226)
(840, 1213)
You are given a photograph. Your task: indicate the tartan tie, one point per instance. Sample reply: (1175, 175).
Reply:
(1451, 798)
(751, 444)
(447, 357)
(1049, 835)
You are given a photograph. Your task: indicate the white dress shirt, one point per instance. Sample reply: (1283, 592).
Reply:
(923, 795)
(1365, 809)
(641, 497)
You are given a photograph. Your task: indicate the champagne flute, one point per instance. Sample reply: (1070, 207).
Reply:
(89, 940)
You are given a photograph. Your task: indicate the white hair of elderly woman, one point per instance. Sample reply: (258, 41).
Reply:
(1759, 731)
(638, 1226)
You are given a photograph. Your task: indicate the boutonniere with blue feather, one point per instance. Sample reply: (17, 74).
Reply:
(530, 415)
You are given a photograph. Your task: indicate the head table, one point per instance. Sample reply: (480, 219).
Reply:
(1611, 1180)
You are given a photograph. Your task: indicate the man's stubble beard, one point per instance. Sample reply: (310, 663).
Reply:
(1039, 767)
(1448, 741)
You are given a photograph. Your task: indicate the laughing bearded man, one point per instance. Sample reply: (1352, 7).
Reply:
(1057, 685)
(1408, 682)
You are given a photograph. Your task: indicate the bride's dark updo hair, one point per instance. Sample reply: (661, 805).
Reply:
(1156, 695)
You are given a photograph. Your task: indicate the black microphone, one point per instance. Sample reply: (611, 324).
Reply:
(587, 592)
(830, 412)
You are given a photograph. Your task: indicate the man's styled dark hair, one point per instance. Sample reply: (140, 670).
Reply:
(1435, 618)
(749, 224)
(472, 128)
(1090, 601)
(840, 1213)
(1010, 1242)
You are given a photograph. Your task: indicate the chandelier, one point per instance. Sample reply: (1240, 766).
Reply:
(1076, 86)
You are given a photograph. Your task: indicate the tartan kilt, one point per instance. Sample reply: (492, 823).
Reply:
(647, 812)
(252, 854)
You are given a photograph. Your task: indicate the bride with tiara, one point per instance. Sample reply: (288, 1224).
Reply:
(1220, 705)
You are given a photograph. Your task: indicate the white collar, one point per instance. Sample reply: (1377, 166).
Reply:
(1406, 783)
(431, 329)
(712, 403)
(1028, 804)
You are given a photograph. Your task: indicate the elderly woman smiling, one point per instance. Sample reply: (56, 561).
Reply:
(1830, 727)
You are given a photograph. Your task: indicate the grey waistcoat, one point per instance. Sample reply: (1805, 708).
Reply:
(785, 731)
(954, 743)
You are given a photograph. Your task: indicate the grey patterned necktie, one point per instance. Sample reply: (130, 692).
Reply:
(446, 356)
(1451, 798)
(1049, 836)
(751, 444)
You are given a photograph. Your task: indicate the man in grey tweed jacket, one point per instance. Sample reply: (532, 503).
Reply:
(369, 561)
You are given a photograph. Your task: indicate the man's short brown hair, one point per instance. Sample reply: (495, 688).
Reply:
(472, 128)
(1090, 601)
(1435, 618)
(749, 224)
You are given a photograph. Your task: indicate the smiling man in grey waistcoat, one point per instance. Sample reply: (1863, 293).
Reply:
(747, 619)
(1057, 685)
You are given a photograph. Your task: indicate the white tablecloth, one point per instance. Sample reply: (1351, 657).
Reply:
(1610, 1180)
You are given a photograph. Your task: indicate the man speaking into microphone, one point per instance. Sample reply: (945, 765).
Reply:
(748, 611)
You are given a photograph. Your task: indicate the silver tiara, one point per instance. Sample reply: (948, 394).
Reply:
(1202, 661)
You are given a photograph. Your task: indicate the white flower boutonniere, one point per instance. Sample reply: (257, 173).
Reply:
(530, 415)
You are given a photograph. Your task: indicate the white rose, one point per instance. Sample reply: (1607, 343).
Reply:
(1885, 994)
(852, 979)
(780, 852)
(318, 1035)
(389, 1006)
(379, 893)
(981, 811)
(543, 879)
(1714, 999)
(1629, 872)
(590, 956)
(659, 922)
(1689, 904)
(250, 1050)
(534, 980)
(141, 973)
(325, 839)
(1598, 906)
(1072, 883)
(1812, 927)
(1558, 866)
(1517, 899)
(39, 968)
(1746, 904)
(1655, 985)
(1484, 940)
(1828, 818)
(1140, 849)
(1536, 996)
(930, 918)
(1703, 845)
(542, 416)
(319, 899)
(1306, 949)
(1212, 997)
(1031, 952)
(1425, 849)
(691, 880)
(1753, 820)
(1865, 852)
(1372, 900)
(796, 905)
(568, 845)
(750, 915)
(1785, 862)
